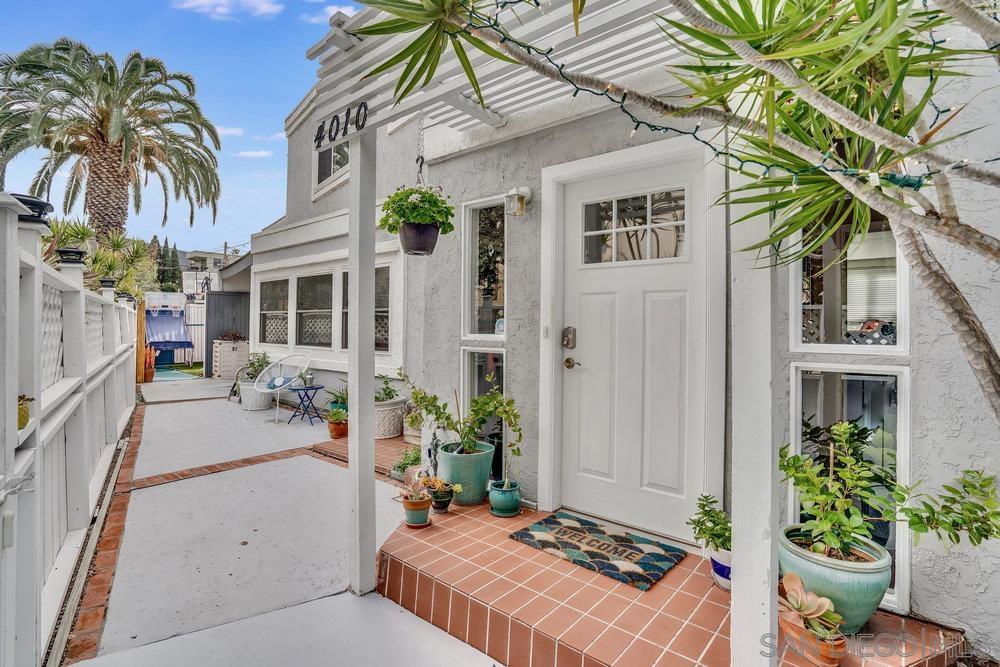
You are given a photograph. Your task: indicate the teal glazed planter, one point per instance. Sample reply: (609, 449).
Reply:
(505, 502)
(472, 471)
(336, 406)
(856, 589)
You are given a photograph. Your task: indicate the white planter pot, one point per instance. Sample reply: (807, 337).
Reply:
(389, 418)
(721, 562)
(253, 399)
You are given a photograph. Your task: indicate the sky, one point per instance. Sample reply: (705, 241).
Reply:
(248, 60)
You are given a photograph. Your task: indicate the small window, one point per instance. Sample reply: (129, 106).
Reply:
(851, 298)
(488, 265)
(484, 371)
(330, 161)
(314, 310)
(274, 312)
(382, 298)
(639, 227)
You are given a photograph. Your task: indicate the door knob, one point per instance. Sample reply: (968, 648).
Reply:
(570, 362)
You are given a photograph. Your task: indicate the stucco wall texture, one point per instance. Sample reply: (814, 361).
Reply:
(950, 430)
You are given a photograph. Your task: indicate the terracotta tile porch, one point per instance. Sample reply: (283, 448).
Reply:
(524, 607)
(387, 452)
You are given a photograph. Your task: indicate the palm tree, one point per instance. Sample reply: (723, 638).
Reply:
(112, 126)
(123, 259)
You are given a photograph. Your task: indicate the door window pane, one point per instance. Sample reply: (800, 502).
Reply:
(871, 401)
(648, 226)
(274, 312)
(852, 301)
(382, 309)
(314, 310)
(485, 371)
(488, 235)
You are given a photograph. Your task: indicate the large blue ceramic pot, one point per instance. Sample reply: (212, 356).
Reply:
(855, 588)
(472, 471)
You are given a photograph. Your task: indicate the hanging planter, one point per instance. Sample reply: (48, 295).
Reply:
(418, 214)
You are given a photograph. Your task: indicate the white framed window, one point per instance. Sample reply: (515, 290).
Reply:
(383, 308)
(314, 310)
(484, 232)
(641, 227)
(330, 168)
(482, 370)
(854, 301)
(878, 398)
(273, 308)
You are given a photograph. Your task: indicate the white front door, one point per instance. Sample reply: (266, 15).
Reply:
(636, 408)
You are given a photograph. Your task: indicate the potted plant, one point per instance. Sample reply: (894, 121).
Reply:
(808, 624)
(464, 459)
(389, 407)
(338, 398)
(23, 411)
(714, 531)
(336, 423)
(842, 497)
(505, 494)
(418, 214)
(416, 505)
(409, 459)
(250, 396)
(441, 493)
(149, 364)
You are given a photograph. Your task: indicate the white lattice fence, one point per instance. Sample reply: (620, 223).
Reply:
(94, 323)
(52, 336)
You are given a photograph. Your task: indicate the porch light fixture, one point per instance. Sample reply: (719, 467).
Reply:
(516, 201)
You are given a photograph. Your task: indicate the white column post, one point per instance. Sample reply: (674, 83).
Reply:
(754, 504)
(75, 365)
(361, 362)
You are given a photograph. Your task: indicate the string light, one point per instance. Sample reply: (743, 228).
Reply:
(479, 21)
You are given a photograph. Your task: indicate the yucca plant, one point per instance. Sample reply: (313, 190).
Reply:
(118, 257)
(112, 126)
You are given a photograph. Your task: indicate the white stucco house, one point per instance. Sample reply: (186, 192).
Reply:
(692, 365)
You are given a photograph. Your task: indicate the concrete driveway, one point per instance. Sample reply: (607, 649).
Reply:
(222, 519)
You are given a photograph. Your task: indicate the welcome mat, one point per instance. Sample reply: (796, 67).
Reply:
(630, 559)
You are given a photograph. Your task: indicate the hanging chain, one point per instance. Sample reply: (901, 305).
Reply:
(420, 170)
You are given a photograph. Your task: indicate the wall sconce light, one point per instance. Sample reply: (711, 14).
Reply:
(516, 201)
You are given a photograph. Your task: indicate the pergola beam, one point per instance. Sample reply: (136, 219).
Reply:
(475, 110)
(361, 362)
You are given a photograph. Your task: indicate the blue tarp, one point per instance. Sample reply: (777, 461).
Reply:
(165, 330)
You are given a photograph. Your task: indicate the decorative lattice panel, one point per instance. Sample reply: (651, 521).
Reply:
(381, 331)
(315, 329)
(52, 336)
(275, 328)
(812, 324)
(94, 330)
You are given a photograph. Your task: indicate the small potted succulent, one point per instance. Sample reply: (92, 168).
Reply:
(418, 214)
(23, 411)
(389, 408)
(149, 364)
(505, 494)
(843, 494)
(338, 398)
(463, 458)
(250, 396)
(336, 423)
(714, 531)
(416, 504)
(808, 624)
(441, 493)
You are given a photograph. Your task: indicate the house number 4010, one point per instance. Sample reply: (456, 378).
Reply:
(340, 126)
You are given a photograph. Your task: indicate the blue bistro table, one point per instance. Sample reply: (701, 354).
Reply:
(306, 407)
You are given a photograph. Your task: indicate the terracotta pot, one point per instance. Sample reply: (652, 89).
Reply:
(804, 643)
(337, 429)
(148, 373)
(416, 511)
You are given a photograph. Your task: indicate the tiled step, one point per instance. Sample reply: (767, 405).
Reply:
(527, 608)
(387, 452)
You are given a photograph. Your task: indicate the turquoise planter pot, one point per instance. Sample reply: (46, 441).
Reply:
(856, 589)
(415, 512)
(336, 406)
(472, 471)
(505, 502)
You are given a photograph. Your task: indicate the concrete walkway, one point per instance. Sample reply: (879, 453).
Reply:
(185, 390)
(226, 543)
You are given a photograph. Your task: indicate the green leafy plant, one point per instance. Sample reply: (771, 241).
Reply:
(256, 364)
(420, 205)
(121, 258)
(338, 395)
(469, 428)
(336, 416)
(410, 457)
(386, 392)
(711, 524)
(807, 610)
(833, 492)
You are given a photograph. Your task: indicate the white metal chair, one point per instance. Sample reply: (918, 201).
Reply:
(281, 374)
